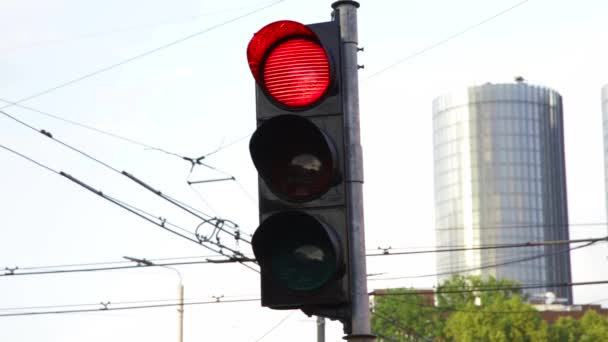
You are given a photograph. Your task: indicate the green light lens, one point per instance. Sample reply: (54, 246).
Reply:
(303, 266)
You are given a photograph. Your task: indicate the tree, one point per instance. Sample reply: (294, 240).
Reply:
(502, 319)
(401, 315)
(591, 327)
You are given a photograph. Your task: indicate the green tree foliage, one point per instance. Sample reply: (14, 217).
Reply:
(402, 316)
(472, 309)
(500, 320)
(590, 328)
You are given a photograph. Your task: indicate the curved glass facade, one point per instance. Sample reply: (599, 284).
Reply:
(500, 179)
(605, 125)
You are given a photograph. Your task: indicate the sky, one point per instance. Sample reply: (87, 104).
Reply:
(196, 97)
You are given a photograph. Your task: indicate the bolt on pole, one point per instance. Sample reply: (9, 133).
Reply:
(346, 14)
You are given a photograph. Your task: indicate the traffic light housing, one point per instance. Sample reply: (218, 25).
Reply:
(301, 243)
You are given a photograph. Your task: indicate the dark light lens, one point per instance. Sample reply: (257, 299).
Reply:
(300, 252)
(294, 157)
(302, 172)
(297, 73)
(302, 266)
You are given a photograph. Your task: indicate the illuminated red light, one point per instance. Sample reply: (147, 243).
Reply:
(289, 63)
(296, 73)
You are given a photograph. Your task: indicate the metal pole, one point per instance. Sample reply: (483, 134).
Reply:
(180, 309)
(181, 312)
(320, 329)
(346, 14)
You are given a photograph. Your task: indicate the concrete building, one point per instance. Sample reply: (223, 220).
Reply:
(500, 179)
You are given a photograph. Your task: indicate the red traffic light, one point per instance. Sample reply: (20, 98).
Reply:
(290, 64)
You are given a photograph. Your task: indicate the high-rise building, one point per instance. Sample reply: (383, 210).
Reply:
(605, 125)
(500, 179)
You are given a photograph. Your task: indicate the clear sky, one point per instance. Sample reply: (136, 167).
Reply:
(195, 96)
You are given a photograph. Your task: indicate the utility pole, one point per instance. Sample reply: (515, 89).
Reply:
(320, 329)
(180, 309)
(346, 13)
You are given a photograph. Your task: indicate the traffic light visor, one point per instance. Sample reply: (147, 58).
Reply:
(289, 63)
(298, 250)
(296, 160)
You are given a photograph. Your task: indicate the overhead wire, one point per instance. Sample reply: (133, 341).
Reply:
(275, 326)
(94, 129)
(484, 247)
(105, 308)
(129, 28)
(107, 305)
(19, 272)
(482, 267)
(445, 40)
(244, 258)
(179, 204)
(162, 223)
(525, 226)
(408, 330)
(141, 55)
(489, 288)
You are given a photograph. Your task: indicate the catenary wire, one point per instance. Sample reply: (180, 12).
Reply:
(276, 326)
(17, 272)
(132, 209)
(398, 325)
(477, 257)
(512, 261)
(490, 288)
(373, 293)
(130, 28)
(527, 226)
(33, 313)
(94, 129)
(497, 246)
(179, 204)
(143, 54)
(390, 248)
(445, 40)
(103, 263)
(58, 268)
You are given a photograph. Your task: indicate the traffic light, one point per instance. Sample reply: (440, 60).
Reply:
(301, 243)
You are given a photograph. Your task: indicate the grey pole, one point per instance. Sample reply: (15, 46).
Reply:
(180, 309)
(180, 336)
(320, 329)
(346, 14)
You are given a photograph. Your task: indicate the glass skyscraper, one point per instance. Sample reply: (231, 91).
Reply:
(605, 124)
(500, 179)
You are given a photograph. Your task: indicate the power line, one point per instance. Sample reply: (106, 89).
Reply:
(526, 226)
(390, 249)
(158, 221)
(105, 307)
(143, 54)
(490, 288)
(197, 213)
(16, 271)
(93, 129)
(445, 40)
(70, 267)
(130, 28)
(498, 246)
(275, 326)
(103, 263)
(399, 326)
(508, 262)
